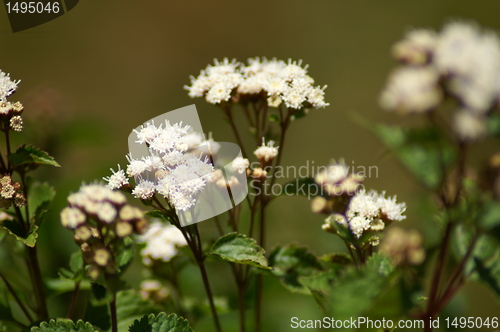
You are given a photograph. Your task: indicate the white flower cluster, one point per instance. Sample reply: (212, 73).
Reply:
(101, 221)
(370, 212)
(462, 61)
(240, 165)
(336, 180)
(279, 81)
(266, 152)
(170, 169)
(161, 242)
(7, 86)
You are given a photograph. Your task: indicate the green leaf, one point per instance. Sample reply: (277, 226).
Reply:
(126, 255)
(99, 295)
(291, 262)
(31, 156)
(76, 270)
(13, 227)
(337, 258)
(490, 217)
(299, 114)
(489, 275)
(239, 248)
(356, 290)
(129, 307)
(60, 286)
(353, 292)
(98, 316)
(303, 187)
(424, 151)
(40, 196)
(493, 124)
(273, 117)
(65, 325)
(199, 309)
(162, 322)
(320, 285)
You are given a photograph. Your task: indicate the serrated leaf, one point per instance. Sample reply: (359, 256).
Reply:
(424, 151)
(238, 248)
(129, 307)
(30, 155)
(302, 187)
(64, 326)
(291, 262)
(13, 227)
(161, 322)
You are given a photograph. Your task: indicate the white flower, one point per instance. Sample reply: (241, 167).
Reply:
(240, 165)
(412, 90)
(266, 152)
(468, 126)
(417, 47)
(316, 96)
(144, 190)
(279, 80)
(471, 58)
(192, 140)
(161, 242)
(117, 180)
(147, 133)
(216, 82)
(106, 212)
(72, 217)
(371, 211)
(135, 167)
(7, 86)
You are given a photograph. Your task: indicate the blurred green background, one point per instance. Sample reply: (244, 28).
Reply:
(105, 67)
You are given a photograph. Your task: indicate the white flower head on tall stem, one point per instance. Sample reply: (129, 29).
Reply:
(7, 86)
(266, 152)
(372, 211)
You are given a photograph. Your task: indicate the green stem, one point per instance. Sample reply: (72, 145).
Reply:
(436, 280)
(112, 310)
(74, 297)
(208, 290)
(16, 298)
(37, 283)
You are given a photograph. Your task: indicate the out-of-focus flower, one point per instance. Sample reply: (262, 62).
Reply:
(161, 242)
(412, 90)
(403, 246)
(469, 126)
